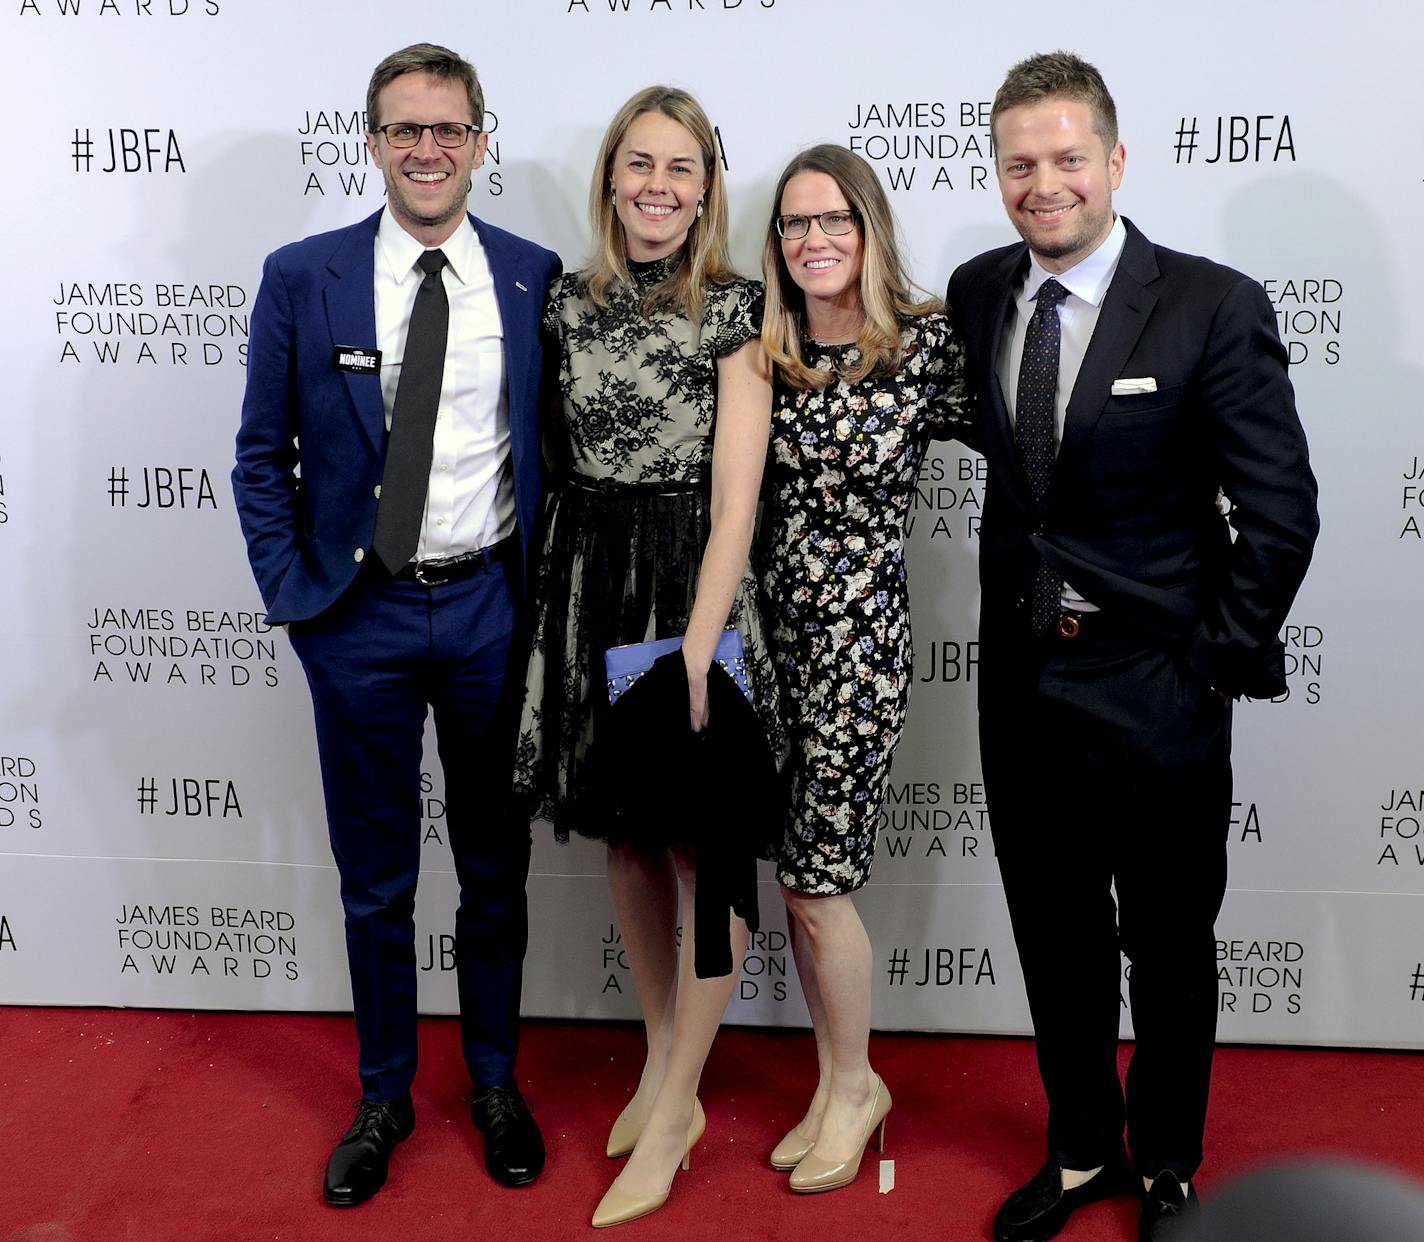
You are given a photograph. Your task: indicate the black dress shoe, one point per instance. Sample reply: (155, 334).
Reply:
(357, 1168)
(514, 1148)
(1037, 1210)
(1166, 1204)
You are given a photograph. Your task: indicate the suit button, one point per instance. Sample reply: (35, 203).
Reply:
(360, 555)
(378, 491)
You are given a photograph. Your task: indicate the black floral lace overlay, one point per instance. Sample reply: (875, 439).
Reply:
(625, 531)
(844, 464)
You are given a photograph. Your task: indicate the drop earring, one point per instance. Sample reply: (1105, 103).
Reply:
(699, 209)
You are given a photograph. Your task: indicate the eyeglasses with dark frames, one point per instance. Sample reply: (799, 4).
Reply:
(836, 223)
(408, 133)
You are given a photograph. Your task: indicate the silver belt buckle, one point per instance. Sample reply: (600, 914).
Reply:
(422, 579)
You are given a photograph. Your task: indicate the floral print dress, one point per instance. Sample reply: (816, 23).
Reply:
(842, 474)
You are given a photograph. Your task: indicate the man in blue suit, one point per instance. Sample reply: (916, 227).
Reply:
(388, 479)
(1126, 394)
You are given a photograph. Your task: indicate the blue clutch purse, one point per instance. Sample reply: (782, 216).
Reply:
(626, 664)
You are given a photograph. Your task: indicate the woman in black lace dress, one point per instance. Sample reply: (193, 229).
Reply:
(865, 376)
(666, 402)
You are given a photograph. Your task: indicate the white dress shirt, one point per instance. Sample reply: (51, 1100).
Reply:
(470, 502)
(1087, 283)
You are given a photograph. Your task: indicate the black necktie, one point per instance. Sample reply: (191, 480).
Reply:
(1034, 416)
(411, 443)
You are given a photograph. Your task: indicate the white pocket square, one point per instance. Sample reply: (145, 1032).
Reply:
(1132, 387)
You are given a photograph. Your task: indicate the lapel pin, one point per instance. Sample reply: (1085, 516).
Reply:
(520, 286)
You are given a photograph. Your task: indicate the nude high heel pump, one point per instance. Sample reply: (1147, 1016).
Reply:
(626, 1132)
(615, 1208)
(624, 1135)
(814, 1175)
(792, 1149)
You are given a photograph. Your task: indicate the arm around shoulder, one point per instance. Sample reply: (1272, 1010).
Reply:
(953, 401)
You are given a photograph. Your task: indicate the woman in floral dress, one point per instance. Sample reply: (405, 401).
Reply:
(865, 376)
(665, 403)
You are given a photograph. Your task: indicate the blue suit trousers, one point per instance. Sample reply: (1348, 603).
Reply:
(386, 653)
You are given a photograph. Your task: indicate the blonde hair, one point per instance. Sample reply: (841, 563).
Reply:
(887, 295)
(704, 256)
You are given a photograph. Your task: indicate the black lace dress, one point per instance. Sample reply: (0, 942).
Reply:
(626, 525)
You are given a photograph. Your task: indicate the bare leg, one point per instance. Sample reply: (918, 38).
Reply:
(644, 888)
(697, 1015)
(839, 951)
(811, 990)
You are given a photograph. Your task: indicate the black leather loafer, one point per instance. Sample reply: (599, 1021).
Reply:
(1037, 1210)
(358, 1166)
(1165, 1205)
(514, 1148)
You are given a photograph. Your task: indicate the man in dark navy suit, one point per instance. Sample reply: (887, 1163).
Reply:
(388, 477)
(1127, 394)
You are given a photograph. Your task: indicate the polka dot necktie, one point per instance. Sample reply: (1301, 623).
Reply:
(411, 444)
(1034, 416)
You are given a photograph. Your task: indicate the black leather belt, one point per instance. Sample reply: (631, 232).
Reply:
(438, 570)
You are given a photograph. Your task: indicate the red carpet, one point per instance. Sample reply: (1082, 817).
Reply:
(144, 1126)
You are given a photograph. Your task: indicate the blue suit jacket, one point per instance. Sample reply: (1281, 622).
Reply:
(311, 448)
(1130, 516)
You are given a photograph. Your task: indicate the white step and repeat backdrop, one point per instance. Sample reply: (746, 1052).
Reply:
(161, 833)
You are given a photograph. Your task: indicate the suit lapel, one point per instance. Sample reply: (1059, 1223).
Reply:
(1127, 306)
(350, 296)
(998, 430)
(520, 296)
(513, 294)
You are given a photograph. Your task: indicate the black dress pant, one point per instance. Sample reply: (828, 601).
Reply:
(1107, 768)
